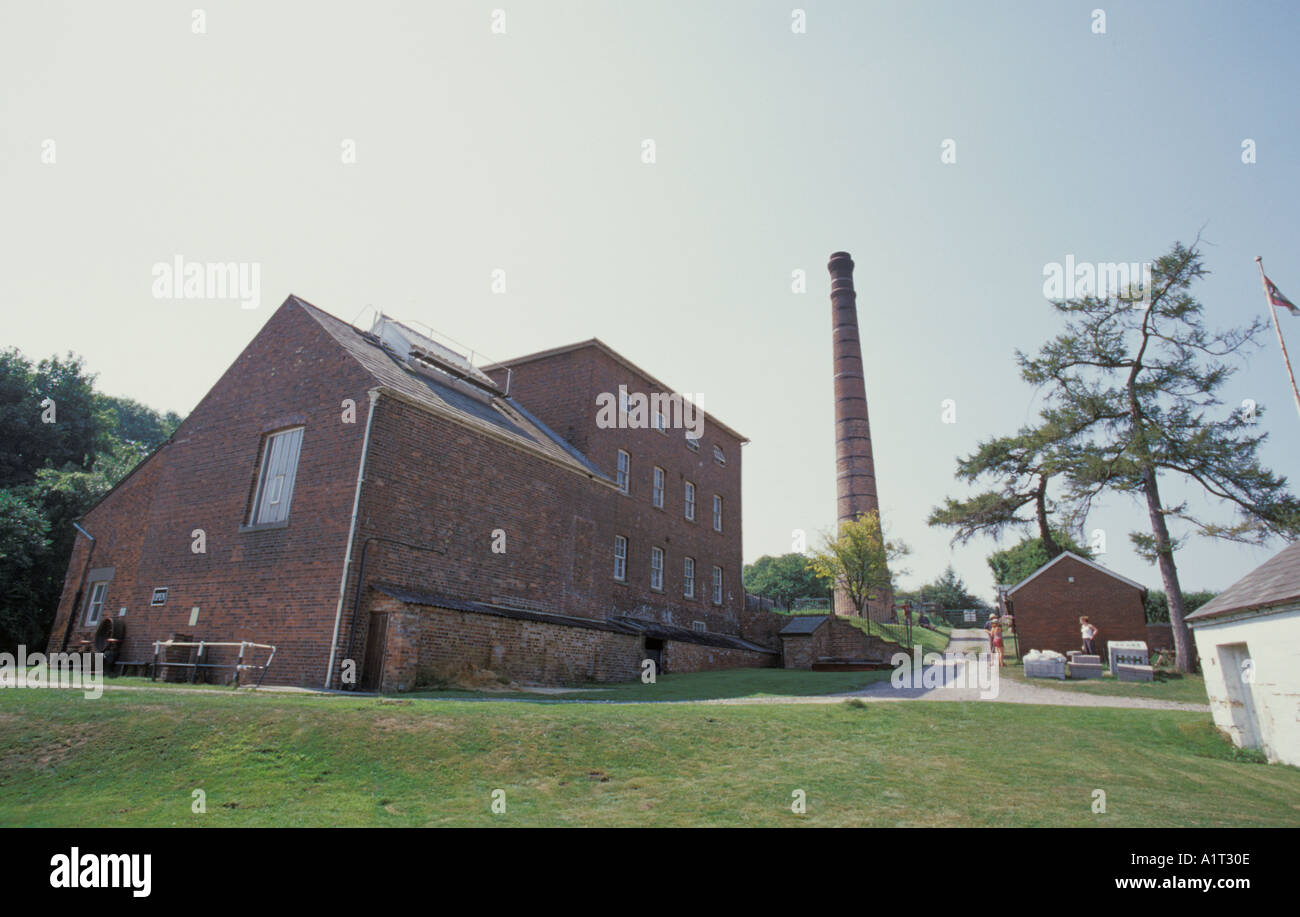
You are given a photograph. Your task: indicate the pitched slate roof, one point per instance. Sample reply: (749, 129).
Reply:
(500, 416)
(630, 626)
(802, 624)
(1274, 582)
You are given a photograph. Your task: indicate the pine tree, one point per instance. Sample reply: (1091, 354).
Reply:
(1132, 388)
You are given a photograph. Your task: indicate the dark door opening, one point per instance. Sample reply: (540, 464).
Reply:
(376, 642)
(654, 650)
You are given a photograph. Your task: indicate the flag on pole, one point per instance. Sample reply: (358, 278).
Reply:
(1276, 298)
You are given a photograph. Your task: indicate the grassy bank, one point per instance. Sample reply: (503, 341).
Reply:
(136, 758)
(726, 683)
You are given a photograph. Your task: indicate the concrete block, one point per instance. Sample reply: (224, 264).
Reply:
(1130, 672)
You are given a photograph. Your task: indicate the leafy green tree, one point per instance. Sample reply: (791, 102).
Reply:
(785, 578)
(62, 447)
(1011, 565)
(860, 558)
(63, 496)
(1157, 604)
(24, 543)
(49, 416)
(136, 423)
(948, 592)
(1133, 388)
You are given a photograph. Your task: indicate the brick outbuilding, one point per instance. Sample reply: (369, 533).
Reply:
(1048, 603)
(372, 504)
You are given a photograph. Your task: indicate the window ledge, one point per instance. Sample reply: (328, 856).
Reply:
(264, 526)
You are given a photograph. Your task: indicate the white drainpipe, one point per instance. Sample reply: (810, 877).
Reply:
(352, 531)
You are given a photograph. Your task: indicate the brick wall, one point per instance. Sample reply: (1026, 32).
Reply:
(694, 657)
(844, 641)
(1048, 608)
(421, 638)
(836, 639)
(760, 626)
(561, 390)
(444, 490)
(276, 586)
(430, 482)
(1160, 637)
(800, 651)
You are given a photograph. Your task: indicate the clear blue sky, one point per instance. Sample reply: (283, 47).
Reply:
(522, 151)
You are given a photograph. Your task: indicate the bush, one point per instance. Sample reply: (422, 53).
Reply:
(1157, 604)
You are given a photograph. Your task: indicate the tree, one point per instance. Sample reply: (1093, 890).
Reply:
(62, 447)
(949, 592)
(785, 578)
(24, 543)
(1133, 386)
(859, 558)
(1023, 467)
(49, 416)
(1157, 604)
(1011, 565)
(136, 423)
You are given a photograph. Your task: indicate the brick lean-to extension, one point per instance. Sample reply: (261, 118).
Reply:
(855, 470)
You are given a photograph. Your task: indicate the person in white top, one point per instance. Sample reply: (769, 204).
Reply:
(1089, 633)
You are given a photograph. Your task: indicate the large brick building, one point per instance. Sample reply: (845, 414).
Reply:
(1048, 603)
(374, 506)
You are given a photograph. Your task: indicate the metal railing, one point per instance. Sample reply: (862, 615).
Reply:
(239, 665)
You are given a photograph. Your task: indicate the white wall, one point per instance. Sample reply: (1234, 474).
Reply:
(1272, 643)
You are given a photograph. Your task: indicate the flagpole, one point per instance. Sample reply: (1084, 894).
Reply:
(1278, 328)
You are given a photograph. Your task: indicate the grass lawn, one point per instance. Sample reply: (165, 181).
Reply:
(1189, 689)
(686, 686)
(703, 686)
(930, 641)
(135, 758)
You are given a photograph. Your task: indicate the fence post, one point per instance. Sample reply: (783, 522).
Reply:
(153, 669)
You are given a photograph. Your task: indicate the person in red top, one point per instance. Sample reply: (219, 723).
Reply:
(995, 642)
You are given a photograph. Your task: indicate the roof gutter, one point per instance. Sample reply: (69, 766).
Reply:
(352, 532)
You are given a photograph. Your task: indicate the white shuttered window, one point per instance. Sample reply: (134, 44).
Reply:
(275, 481)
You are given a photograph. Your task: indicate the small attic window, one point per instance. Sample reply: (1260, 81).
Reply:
(719, 456)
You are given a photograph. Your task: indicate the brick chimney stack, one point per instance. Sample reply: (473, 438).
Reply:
(854, 466)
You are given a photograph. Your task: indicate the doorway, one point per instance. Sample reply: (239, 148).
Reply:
(372, 673)
(654, 650)
(1239, 677)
